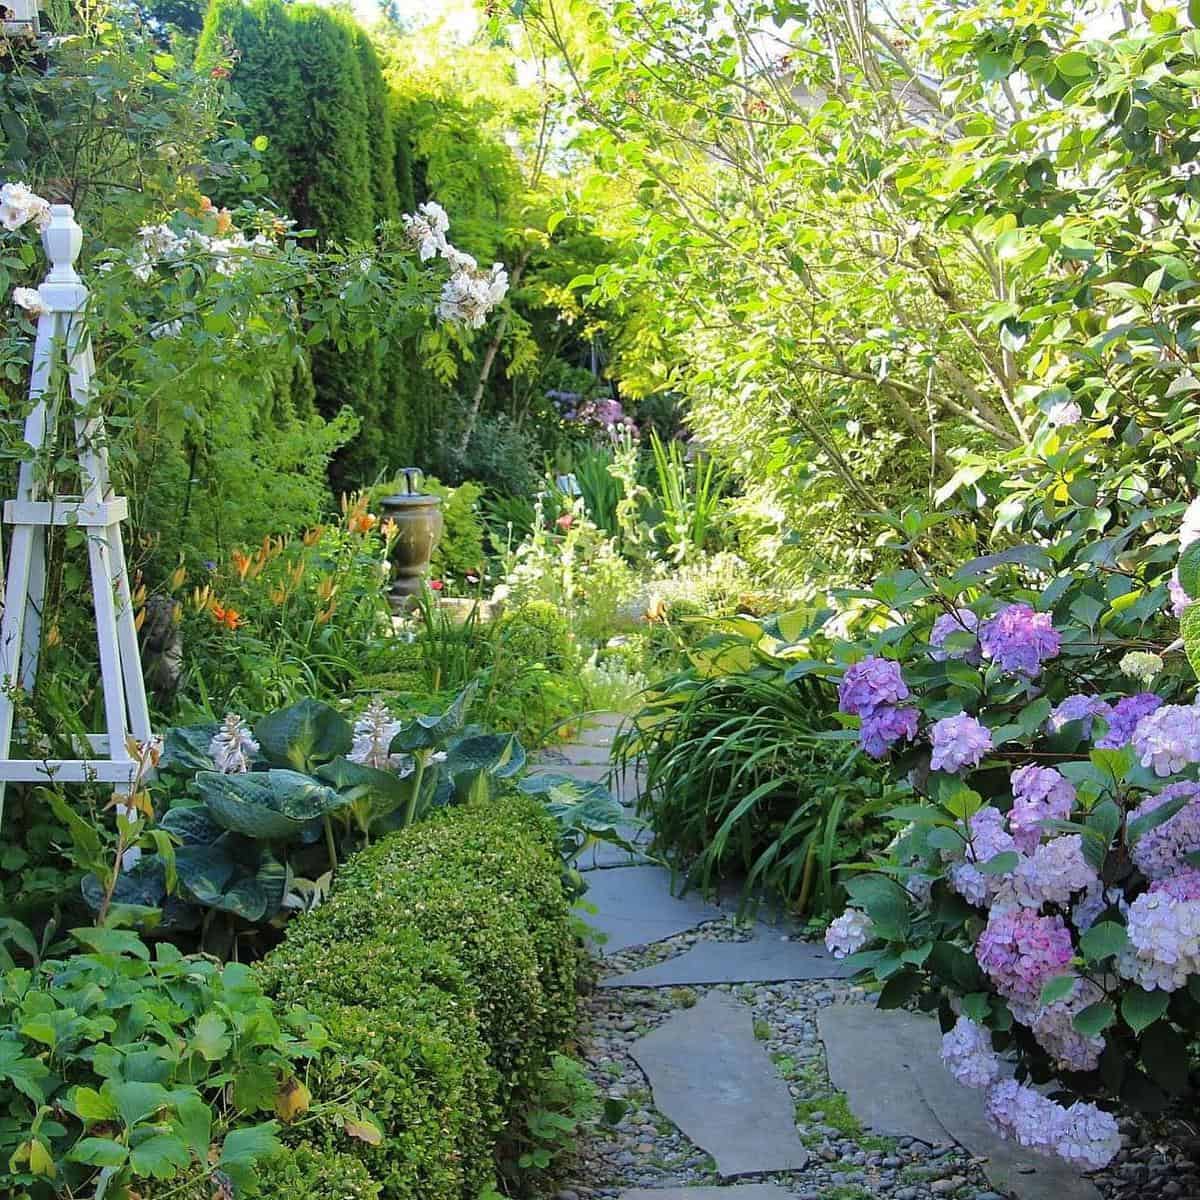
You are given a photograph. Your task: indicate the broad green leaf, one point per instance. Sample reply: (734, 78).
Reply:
(211, 1037)
(98, 1152)
(1001, 864)
(89, 1105)
(1140, 1008)
(160, 1156)
(185, 748)
(112, 941)
(136, 1101)
(1189, 570)
(270, 805)
(1058, 988)
(1189, 626)
(1103, 940)
(884, 901)
(304, 735)
(1094, 1019)
(430, 731)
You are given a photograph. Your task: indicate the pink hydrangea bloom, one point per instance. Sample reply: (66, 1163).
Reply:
(1039, 794)
(849, 933)
(870, 684)
(968, 1054)
(988, 838)
(1054, 873)
(958, 742)
(1123, 719)
(1021, 950)
(1169, 738)
(1019, 640)
(961, 620)
(885, 726)
(1053, 1026)
(1179, 598)
(1160, 851)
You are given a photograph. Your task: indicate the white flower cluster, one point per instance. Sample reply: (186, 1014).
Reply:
(30, 300)
(849, 933)
(19, 205)
(233, 746)
(968, 1054)
(373, 733)
(470, 293)
(161, 244)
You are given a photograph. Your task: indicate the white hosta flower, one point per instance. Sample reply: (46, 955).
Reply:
(233, 746)
(30, 300)
(438, 756)
(373, 733)
(19, 205)
(130, 858)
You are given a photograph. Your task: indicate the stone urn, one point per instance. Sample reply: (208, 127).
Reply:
(418, 518)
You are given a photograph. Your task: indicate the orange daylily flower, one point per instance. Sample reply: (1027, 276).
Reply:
(178, 577)
(241, 563)
(360, 521)
(229, 617)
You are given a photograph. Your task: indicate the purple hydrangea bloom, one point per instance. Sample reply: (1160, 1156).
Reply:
(1164, 941)
(968, 1054)
(988, 838)
(1021, 950)
(1079, 708)
(1184, 885)
(1179, 598)
(1053, 873)
(958, 742)
(1019, 640)
(1169, 738)
(961, 620)
(1039, 794)
(1160, 851)
(1082, 1134)
(1053, 1026)
(870, 684)
(849, 933)
(1123, 719)
(885, 726)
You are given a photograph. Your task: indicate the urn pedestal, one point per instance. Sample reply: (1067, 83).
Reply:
(419, 522)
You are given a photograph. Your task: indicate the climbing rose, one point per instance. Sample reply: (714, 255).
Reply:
(232, 746)
(988, 838)
(1019, 640)
(1124, 716)
(1169, 738)
(1160, 851)
(18, 205)
(968, 1054)
(1078, 708)
(960, 621)
(886, 725)
(1021, 950)
(958, 742)
(1039, 794)
(870, 684)
(1053, 873)
(849, 933)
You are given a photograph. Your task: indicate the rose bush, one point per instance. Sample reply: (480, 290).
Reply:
(1045, 895)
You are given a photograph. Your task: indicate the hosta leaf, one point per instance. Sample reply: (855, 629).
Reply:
(499, 754)
(191, 824)
(269, 805)
(427, 732)
(304, 735)
(185, 748)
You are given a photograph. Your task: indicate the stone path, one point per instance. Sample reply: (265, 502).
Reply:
(751, 1069)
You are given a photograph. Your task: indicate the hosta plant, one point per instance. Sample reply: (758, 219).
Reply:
(1045, 897)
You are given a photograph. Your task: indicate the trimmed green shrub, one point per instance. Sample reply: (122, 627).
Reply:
(538, 632)
(444, 969)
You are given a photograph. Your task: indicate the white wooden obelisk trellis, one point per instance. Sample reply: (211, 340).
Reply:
(62, 339)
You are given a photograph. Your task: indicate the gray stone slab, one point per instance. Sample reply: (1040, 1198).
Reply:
(635, 907)
(712, 1077)
(888, 1064)
(766, 959)
(605, 854)
(744, 1191)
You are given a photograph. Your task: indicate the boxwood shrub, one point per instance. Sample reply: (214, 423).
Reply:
(443, 967)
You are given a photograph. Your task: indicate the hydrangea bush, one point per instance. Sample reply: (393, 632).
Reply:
(1044, 895)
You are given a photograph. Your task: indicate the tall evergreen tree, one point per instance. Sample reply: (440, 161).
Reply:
(381, 140)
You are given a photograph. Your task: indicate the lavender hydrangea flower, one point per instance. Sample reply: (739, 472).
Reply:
(1019, 640)
(1164, 941)
(958, 742)
(1184, 885)
(961, 620)
(1082, 1134)
(885, 726)
(968, 1054)
(1160, 851)
(1039, 794)
(1168, 739)
(849, 933)
(1078, 708)
(1054, 873)
(871, 684)
(988, 838)
(1179, 598)
(1021, 950)
(1053, 1027)
(1124, 717)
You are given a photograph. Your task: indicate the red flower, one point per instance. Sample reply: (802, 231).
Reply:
(436, 584)
(565, 521)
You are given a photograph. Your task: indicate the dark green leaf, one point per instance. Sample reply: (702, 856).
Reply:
(1103, 940)
(266, 804)
(1094, 1019)
(304, 735)
(1140, 1008)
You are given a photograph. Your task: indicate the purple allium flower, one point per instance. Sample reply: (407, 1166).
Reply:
(1169, 738)
(1160, 851)
(849, 933)
(1019, 640)
(1124, 717)
(988, 838)
(870, 684)
(1164, 940)
(958, 742)
(1078, 708)
(1053, 873)
(961, 620)
(886, 725)
(1039, 794)
(1021, 950)
(968, 1054)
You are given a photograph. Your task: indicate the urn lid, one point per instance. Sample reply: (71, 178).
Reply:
(410, 497)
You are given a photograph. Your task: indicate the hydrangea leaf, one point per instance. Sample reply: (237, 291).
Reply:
(884, 901)
(1140, 1008)
(1189, 626)
(1103, 940)
(1094, 1019)
(1058, 988)
(1189, 570)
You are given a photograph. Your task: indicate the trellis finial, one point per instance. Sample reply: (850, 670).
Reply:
(62, 239)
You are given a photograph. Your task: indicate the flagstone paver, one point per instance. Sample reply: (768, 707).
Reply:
(743, 1191)
(712, 1077)
(768, 958)
(888, 1064)
(635, 907)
